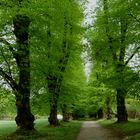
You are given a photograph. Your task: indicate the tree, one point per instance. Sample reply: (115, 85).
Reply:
(114, 32)
(72, 98)
(55, 80)
(24, 117)
(58, 40)
(21, 89)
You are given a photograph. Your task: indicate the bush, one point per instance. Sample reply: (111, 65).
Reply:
(79, 112)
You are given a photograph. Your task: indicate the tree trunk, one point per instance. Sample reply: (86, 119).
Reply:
(121, 109)
(53, 115)
(54, 95)
(64, 113)
(118, 58)
(24, 119)
(54, 81)
(121, 93)
(109, 113)
(100, 113)
(109, 110)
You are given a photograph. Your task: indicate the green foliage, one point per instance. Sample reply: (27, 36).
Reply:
(40, 103)
(133, 107)
(115, 46)
(106, 42)
(52, 23)
(57, 25)
(73, 87)
(7, 104)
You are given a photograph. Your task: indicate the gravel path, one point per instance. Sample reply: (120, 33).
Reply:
(93, 131)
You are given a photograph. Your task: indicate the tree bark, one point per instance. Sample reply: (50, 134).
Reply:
(121, 93)
(24, 118)
(121, 109)
(53, 115)
(118, 60)
(54, 95)
(54, 81)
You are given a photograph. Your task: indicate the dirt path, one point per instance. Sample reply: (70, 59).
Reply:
(93, 131)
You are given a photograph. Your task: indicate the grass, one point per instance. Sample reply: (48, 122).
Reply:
(131, 129)
(7, 127)
(67, 131)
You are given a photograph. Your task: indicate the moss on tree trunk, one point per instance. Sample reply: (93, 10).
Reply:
(24, 118)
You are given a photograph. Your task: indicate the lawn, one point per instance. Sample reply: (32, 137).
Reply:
(131, 129)
(7, 127)
(67, 131)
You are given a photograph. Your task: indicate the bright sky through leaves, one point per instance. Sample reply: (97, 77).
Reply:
(88, 20)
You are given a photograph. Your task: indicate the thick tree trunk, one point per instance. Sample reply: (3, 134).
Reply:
(121, 109)
(54, 81)
(24, 119)
(53, 115)
(121, 93)
(54, 95)
(118, 58)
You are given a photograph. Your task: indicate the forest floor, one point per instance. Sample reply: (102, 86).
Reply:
(93, 131)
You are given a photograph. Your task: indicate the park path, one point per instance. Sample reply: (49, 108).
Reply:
(93, 131)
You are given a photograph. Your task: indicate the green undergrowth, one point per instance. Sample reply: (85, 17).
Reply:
(66, 131)
(130, 130)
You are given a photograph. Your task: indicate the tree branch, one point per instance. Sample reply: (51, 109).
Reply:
(9, 80)
(136, 50)
(11, 49)
(110, 38)
(9, 69)
(134, 17)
